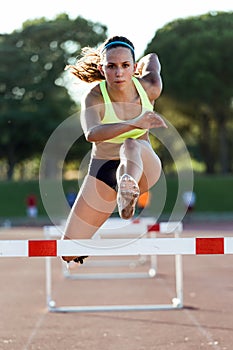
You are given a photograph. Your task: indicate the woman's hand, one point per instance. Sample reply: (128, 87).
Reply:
(149, 120)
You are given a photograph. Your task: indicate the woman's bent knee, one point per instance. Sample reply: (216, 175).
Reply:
(130, 143)
(130, 149)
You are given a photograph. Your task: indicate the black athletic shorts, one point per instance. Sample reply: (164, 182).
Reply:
(105, 170)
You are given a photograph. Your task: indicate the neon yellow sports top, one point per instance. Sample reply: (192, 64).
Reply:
(111, 117)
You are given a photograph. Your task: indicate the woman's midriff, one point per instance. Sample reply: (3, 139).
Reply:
(108, 150)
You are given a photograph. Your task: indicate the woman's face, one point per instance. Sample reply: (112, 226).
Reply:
(118, 66)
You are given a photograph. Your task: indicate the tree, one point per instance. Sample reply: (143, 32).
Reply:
(33, 99)
(196, 55)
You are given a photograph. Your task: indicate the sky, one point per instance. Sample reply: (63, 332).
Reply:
(137, 20)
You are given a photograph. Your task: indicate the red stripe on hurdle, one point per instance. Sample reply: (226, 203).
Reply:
(210, 245)
(153, 228)
(42, 248)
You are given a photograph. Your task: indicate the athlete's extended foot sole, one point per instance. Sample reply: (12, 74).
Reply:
(127, 196)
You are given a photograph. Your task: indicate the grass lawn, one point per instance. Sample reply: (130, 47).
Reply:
(213, 194)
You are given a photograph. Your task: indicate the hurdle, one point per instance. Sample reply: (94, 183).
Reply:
(117, 247)
(114, 228)
(133, 232)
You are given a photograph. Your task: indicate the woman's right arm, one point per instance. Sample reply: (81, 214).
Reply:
(91, 120)
(95, 131)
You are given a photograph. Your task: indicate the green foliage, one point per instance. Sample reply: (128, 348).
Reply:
(33, 99)
(196, 55)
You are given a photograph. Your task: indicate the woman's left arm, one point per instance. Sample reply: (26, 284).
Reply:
(148, 71)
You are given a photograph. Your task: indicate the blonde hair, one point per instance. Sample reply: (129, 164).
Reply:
(86, 67)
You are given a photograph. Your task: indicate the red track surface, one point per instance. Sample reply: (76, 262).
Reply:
(206, 322)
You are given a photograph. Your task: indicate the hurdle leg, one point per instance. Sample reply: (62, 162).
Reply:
(153, 259)
(48, 281)
(178, 301)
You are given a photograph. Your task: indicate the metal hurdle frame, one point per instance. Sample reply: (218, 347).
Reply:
(176, 302)
(113, 228)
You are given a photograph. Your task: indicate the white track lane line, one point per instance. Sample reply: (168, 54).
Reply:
(207, 335)
(211, 342)
(35, 330)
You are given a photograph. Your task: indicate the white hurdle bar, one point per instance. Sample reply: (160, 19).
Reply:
(116, 247)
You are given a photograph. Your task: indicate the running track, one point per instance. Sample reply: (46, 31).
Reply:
(206, 322)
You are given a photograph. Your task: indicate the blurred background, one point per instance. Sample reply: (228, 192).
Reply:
(36, 95)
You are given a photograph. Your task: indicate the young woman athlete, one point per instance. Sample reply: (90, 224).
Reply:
(116, 115)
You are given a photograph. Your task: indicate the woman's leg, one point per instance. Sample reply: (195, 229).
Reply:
(129, 174)
(151, 166)
(143, 168)
(139, 160)
(130, 160)
(95, 203)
